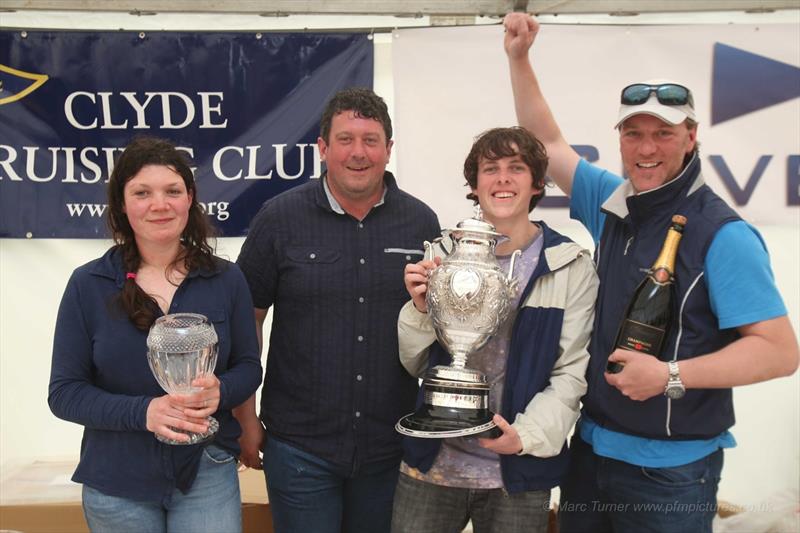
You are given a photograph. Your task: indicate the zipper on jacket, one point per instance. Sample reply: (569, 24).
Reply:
(678, 343)
(669, 417)
(628, 245)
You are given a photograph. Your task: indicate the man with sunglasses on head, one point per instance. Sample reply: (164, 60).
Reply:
(647, 451)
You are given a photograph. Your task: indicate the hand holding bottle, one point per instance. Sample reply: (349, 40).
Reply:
(644, 375)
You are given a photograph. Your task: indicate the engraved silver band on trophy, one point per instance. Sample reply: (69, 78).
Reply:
(466, 401)
(182, 347)
(468, 297)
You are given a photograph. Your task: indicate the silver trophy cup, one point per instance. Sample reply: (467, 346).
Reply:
(180, 348)
(468, 297)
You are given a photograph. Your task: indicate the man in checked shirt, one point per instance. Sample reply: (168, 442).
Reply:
(328, 256)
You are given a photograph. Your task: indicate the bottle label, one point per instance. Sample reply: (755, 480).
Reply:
(641, 337)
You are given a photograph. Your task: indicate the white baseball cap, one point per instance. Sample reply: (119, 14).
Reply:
(653, 89)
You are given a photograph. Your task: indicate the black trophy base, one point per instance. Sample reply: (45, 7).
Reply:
(432, 422)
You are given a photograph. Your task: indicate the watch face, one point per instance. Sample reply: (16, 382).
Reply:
(675, 392)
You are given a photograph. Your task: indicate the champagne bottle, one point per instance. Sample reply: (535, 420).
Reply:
(649, 313)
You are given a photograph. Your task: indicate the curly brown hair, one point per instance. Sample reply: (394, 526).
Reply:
(363, 102)
(196, 252)
(497, 143)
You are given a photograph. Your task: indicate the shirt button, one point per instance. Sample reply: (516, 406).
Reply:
(408, 258)
(360, 224)
(312, 256)
(359, 377)
(358, 414)
(360, 338)
(361, 299)
(362, 260)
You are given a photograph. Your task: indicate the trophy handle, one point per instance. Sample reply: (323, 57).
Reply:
(429, 253)
(428, 250)
(514, 257)
(440, 242)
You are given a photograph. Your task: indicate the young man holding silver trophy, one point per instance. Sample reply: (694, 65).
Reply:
(535, 362)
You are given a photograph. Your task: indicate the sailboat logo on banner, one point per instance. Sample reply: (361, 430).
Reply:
(17, 84)
(744, 82)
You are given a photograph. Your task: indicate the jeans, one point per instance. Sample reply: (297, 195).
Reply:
(421, 507)
(213, 504)
(308, 494)
(602, 495)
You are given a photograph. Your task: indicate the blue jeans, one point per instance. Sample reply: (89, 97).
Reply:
(309, 494)
(603, 495)
(421, 507)
(212, 505)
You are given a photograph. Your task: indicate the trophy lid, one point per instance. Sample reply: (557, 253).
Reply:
(476, 225)
(181, 332)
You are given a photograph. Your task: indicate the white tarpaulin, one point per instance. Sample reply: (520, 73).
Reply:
(453, 83)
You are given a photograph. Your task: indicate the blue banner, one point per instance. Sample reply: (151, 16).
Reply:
(244, 106)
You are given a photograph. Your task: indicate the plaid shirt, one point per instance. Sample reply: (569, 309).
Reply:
(334, 385)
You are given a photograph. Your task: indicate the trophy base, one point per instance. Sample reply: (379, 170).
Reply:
(194, 438)
(430, 422)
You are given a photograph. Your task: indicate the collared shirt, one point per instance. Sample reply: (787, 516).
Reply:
(337, 208)
(334, 386)
(100, 377)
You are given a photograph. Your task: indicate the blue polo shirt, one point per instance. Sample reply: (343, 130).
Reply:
(334, 386)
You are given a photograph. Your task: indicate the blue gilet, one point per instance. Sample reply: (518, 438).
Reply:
(632, 237)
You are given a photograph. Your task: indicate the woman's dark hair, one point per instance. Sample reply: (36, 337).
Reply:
(196, 252)
(497, 143)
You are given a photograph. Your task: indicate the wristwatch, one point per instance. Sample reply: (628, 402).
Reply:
(674, 389)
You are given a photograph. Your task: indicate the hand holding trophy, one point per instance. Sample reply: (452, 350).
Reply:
(182, 347)
(468, 297)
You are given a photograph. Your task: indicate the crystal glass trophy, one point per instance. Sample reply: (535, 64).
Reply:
(182, 347)
(468, 297)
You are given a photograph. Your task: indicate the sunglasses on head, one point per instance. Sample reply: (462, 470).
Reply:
(667, 94)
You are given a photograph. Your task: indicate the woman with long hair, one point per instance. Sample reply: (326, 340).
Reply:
(161, 263)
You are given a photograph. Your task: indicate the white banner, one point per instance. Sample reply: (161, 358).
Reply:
(452, 83)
